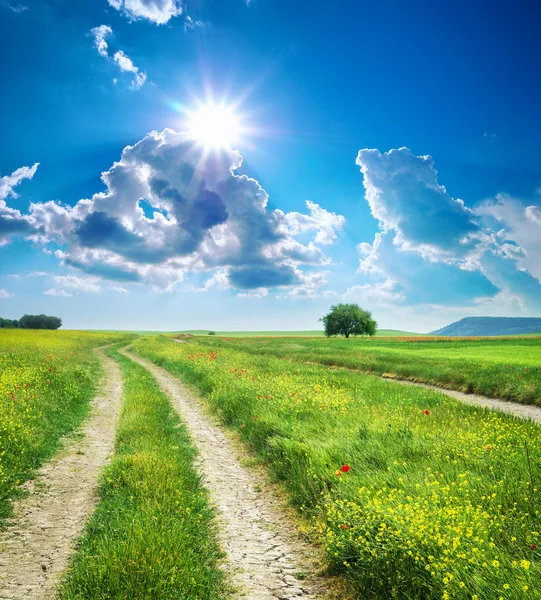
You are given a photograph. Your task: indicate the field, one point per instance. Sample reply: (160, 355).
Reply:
(412, 494)
(406, 492)
(508, 368)
(46, 382)
(313, 333)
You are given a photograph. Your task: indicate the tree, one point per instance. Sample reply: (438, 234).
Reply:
(39, 322)
(348, 319)
(8, 323)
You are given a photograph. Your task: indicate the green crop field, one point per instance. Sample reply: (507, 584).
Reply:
(508, 368)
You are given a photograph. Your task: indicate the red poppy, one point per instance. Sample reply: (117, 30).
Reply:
(243, 426)
(533, 546)
(489, 447)
(338, 474)
(427, 412)
(344, 526)
(345, 468)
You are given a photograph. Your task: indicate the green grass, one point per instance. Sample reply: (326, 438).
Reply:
(508, 368)
(313, 333)
(47, 379)
(441, 499)
(152, 534)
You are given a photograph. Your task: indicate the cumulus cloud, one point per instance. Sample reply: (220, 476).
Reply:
(123, 61)
(57, 293)
(203, 218)
(438, 250)
(157, 11)
(519, 223)
(5, 294)
(12, 222)
(403, 193)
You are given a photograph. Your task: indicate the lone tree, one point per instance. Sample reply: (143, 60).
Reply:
(348, 319)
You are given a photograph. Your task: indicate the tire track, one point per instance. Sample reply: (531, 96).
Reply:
(264, 553)
(36, 546)
(524, 411)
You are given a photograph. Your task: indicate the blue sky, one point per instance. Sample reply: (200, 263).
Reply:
(390, 157)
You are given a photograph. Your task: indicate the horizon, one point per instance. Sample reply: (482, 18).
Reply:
(248, 164)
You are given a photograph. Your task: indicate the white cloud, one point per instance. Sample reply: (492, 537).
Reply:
(8, 182)
(58, 293)
(16, 8)
(38, 274)
(84, 284)
(206, 219)
(522, 225)
(5, 294)
(125, 64)
(123, 61)
(326, 223)
(157, 11)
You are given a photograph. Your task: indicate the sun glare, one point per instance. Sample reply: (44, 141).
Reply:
(214, 126)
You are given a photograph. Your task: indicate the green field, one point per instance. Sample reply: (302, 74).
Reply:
(508, 368)
(47, 379)
(410, 493)
(313, 333)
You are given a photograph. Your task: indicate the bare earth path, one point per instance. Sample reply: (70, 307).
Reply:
(36, 547)
(264, 553)
(524, 411)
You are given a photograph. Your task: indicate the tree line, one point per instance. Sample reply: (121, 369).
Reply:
(31, 322)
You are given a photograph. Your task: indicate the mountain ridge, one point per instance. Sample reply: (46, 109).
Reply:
(489, 326)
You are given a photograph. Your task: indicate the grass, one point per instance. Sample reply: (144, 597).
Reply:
(411, 494)
(508, 368)
(312, 333)
(152, 534)
(47, 379)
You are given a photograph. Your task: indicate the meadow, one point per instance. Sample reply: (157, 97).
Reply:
(410, 493)
(47, 379)
(152, 534)
(508, 368)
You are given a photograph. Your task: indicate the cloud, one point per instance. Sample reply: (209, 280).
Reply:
(84, 284)
(326, 223)
(204, 219)
(38, 274)
(5, 294)
(403, 193)
(8, 182)
(437, 250)
(157, 11)
(519, 223)
(123, 61)
(58, 293)
(12, 222)
(16, 8)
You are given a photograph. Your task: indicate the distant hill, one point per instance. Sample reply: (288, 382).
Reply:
(492, 326)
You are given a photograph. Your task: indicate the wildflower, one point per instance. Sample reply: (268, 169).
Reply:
(533, 546)
(345, 468)
(427, 412)
(344, 526)
(338, 474)
(489, 447)
(243, 426)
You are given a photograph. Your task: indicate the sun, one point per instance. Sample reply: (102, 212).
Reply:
(214, 126)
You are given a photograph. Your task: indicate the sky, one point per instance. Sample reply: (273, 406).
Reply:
(234, 164)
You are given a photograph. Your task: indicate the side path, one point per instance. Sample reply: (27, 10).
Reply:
(524, 411)
(265, 556)
(35, 548)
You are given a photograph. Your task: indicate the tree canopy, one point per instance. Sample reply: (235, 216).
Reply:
(348, 319)
(39, 322)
